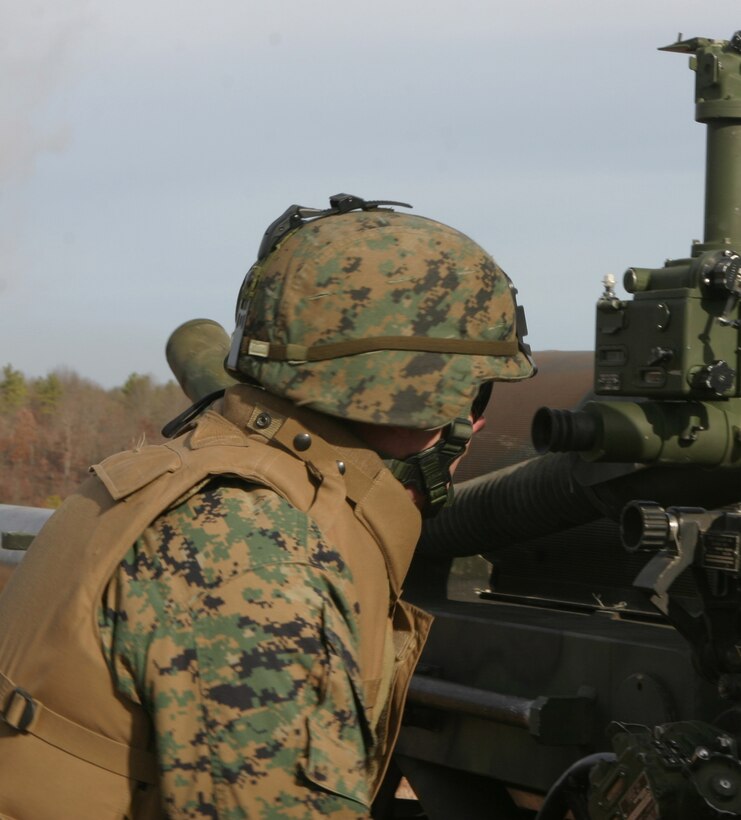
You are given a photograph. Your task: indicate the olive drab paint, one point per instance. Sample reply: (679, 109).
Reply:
(676, 344)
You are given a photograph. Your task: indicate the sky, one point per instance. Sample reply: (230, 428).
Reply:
(146, 146)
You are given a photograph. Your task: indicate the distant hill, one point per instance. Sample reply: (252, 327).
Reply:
(52, 429)
(562, 381)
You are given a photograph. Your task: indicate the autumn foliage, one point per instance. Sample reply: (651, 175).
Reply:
(53, 428)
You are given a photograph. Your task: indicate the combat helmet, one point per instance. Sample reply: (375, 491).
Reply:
(375, 316)
(368, 314)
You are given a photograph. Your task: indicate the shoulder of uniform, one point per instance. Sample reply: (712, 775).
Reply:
(228, 527)
(129, 471)
(126, 472)
(213, 429)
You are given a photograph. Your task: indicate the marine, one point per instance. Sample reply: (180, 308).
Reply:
(215, 627)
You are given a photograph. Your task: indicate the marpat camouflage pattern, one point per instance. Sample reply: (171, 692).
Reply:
(235, 626)
(373, 274)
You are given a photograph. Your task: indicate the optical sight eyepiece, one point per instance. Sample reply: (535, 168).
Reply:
(561, 431)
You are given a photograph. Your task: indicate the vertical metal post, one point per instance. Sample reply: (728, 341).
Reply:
(717, 67)
(723, 184)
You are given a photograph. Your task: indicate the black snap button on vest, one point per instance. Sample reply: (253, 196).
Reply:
(263, 421)
(341, 467)
(302, 442)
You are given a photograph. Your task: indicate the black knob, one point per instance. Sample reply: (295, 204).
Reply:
(718, 377)
(644, 525)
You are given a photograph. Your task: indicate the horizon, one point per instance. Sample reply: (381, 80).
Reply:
(145, 149)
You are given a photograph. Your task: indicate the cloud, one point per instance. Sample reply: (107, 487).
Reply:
(296, 24)
(36, 58)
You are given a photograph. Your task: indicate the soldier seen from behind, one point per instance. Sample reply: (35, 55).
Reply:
(213, 628)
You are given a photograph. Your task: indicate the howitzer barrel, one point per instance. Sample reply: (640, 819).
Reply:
(553, 493)
(195, 352)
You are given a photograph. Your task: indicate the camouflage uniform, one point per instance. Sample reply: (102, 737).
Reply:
(245, 635)
(226, 615)
(254, 634)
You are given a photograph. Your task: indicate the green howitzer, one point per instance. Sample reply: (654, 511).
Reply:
(676, 345)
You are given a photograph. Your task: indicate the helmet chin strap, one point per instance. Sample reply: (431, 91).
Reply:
(429, 471)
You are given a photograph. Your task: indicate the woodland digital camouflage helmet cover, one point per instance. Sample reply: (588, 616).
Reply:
(376, 316)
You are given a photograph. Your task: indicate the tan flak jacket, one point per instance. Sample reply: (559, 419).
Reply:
(70, 745)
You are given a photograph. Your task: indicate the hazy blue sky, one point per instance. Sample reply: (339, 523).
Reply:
(145, 146)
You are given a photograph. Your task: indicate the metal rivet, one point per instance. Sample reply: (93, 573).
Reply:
(302, 441)
(341, 467)
(263, 421)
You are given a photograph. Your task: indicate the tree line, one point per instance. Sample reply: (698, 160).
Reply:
(53, 428)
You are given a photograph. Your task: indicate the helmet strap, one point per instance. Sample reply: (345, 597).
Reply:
(429, 471)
